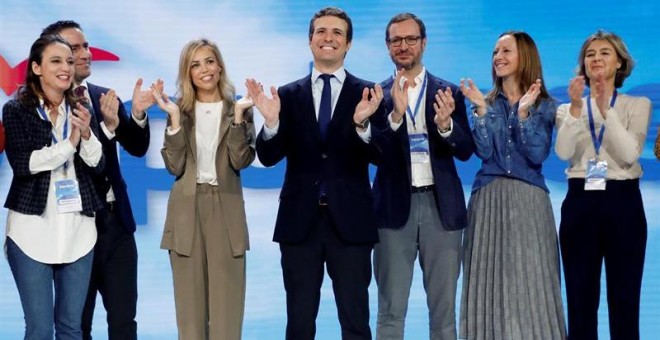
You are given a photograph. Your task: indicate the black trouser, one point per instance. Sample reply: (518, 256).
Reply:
(349, 267)
(597, 225)
(114, 275)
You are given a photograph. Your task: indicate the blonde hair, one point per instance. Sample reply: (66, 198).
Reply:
(186, 88)
(627, 62)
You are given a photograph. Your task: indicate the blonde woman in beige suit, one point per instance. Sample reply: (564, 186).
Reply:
(208, 140)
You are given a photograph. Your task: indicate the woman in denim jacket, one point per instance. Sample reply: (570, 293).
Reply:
(511, 287)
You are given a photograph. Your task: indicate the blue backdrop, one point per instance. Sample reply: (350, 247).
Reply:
(267, 40)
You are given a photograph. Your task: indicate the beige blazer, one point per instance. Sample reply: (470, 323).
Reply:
(235, 152)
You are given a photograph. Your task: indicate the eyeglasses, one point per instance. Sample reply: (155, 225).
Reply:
(410, 40)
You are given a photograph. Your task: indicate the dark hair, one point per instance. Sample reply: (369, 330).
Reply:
(403, 17)
(335, 12)
(529, 67)
(59, 26)
(627, 62)
(31, 91)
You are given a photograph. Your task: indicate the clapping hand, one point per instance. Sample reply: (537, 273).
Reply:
(269, 107)
(474, 95)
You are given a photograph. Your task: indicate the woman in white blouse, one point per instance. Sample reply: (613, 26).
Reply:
(209, 139)
(602, 136)
(50, 225)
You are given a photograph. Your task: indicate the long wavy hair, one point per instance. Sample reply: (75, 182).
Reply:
(185, 87)
(31, 91)
(529, 67)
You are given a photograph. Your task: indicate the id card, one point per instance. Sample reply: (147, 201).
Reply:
(419, 148)
(596, 172)
(68, 197)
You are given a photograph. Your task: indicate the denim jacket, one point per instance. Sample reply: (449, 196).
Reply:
(510, 147)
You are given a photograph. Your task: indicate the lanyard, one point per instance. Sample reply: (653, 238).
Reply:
(65, 130)
(42, 112)
(419, 100)
(592, 127)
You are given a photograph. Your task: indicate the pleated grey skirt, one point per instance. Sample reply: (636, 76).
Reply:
(511, 282)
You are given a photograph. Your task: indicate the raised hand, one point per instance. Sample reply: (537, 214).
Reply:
(165, 104)
(269, 107)
(528, 99)
(240, 107)
(144, 99)
(109, 109)
(474, 95)
(367, 106)
(80, 120)
(444, 106)
(575, 92)
(399, 93)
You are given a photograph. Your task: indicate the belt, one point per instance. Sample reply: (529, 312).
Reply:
(422, 189)
(110, 206)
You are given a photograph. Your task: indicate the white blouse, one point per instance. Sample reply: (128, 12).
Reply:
(626, 127)
(207, 135)
(55, 238)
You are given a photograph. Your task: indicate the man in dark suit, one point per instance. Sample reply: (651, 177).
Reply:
(114, 271)
(418, 194)
(320, 124)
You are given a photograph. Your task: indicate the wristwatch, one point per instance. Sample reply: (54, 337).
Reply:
(362, 126)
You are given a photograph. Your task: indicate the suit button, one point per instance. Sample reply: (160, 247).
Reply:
(324, 156)
(317, 182)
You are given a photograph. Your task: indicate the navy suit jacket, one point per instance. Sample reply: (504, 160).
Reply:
(134, 139)
(28, 132)
(341, 163)
(392, 185)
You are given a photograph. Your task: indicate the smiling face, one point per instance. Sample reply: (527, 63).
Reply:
(56, 70)
(329, 43)
(505, 57)
(406, 56)
(205, 73)
(80, 46)
(601, 61)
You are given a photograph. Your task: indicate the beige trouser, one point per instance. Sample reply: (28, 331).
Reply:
(209, 285)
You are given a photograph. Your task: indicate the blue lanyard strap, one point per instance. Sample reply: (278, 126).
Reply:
(419, 101)
(592, 126)
(65, 130)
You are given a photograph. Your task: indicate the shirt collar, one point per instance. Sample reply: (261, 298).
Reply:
(340, 74)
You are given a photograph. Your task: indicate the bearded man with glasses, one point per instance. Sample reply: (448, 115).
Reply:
(418, 194)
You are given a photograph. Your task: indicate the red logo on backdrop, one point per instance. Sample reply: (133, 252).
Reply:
(12, 77)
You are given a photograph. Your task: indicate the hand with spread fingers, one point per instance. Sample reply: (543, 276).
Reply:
(109, 109)
(269, 107)
(371, 99)
(165, 104)
(144, 99)
(444, 106)
(575, 92)
(474, 95)
(528, 99)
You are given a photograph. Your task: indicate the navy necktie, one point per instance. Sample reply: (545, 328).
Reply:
(325, 109)
(79, 93)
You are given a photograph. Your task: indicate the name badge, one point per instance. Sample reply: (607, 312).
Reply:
(68, 197)
(596, 172)
(419, 148)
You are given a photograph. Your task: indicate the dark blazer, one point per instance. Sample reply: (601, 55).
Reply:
(2, 137)
(28, 132)
(134, 139)
(342, 163)
(392, 185)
